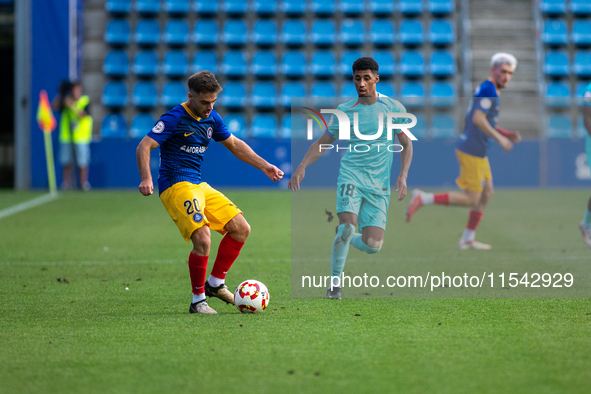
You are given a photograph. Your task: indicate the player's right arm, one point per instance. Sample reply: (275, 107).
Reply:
(142, 152)
(480, 121)
(313, 154)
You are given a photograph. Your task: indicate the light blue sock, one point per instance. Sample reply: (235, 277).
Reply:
(340, 248)
(587, 219)
(359, 244)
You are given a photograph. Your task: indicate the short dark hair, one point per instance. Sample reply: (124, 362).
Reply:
(204, 82)
(366, 63)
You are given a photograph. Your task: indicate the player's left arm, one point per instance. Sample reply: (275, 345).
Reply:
(245, 153)
(587, 118)
(405, 160)
(513, 136)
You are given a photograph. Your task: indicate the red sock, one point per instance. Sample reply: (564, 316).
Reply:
(197, 269)
(473, 220)
(227, 253)
(441, 198)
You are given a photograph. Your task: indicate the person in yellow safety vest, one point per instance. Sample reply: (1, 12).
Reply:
(75, 132)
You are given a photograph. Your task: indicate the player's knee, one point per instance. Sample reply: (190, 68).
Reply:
(346, 231)
(201, 240)
(374, 246)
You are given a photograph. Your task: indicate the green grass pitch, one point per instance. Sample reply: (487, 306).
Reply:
(92, 335)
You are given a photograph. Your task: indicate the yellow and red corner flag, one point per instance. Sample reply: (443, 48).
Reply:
(47, 123)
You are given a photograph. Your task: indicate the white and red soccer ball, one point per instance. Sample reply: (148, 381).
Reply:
(251, 296)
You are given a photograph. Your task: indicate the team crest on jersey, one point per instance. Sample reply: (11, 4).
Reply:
(159, 127)
(209, 132)
(198, 217)
(486, 103)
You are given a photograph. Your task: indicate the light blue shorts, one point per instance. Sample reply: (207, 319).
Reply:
(588, 149)
(371, 209)
(82, 152)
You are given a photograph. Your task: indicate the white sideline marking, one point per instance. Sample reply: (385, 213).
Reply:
(28, 204)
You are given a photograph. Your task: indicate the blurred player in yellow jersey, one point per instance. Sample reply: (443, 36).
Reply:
(481, 130)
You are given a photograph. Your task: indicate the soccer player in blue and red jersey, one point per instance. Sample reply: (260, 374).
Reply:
(183, 134)
(475, 175)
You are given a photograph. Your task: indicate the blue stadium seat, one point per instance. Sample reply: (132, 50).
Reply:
(292, 89)
(553, 7)
(118, 6)
(386, 88)
(411, 33)
(207, 8)
(294, 7)
(294, 33)
(556, 64)
(324, 89)
(582, 33)
(147, 7)
(234, 95)
(352, 32)
(175, 64)
(443, 95)
(559, 126)
(386, 62)
(116, 63)
(234, 64)
(443, 126)
(114, 126)
(114, 95)
(420, 129)
(323, 33)
(264, 126)
(323, 7)
(265, 7)
(205, 60)
(235, 7)
(176, 33)
(235, 33)
(381, 7)
(348, 89)
(442, 64)
(264, 64)
(236, 124)
(413, 94)
(145, 63)
(580, 88)
(347, 60)
(382, 33)
(147, 32)
(323, 65)
(173, 94)
(554, 33)
(410, 7)
(294, 127)
(558, 95)
(442, 33)
(441, 7)
(117, 32)
(141, 125)
(412, 64)
(294, 64)
(144, 94)
(265, 33)
(580, 7)
(580, 131)
(352, 7)
(264, 95)
(205, 33)
(582, 64)
(286, 126)
(176, 7)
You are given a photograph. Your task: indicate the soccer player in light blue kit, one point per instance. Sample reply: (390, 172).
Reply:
(585, 225)
(363, 186)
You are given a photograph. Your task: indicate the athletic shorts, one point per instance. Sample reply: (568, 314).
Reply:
(81, 151)
(371, 209)
(588, 149)
(193, 206)
(474, 171)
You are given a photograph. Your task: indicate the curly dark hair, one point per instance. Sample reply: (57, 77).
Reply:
(366, 63)
(203, 82)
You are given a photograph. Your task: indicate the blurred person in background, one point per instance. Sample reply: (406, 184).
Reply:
(75, 132)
